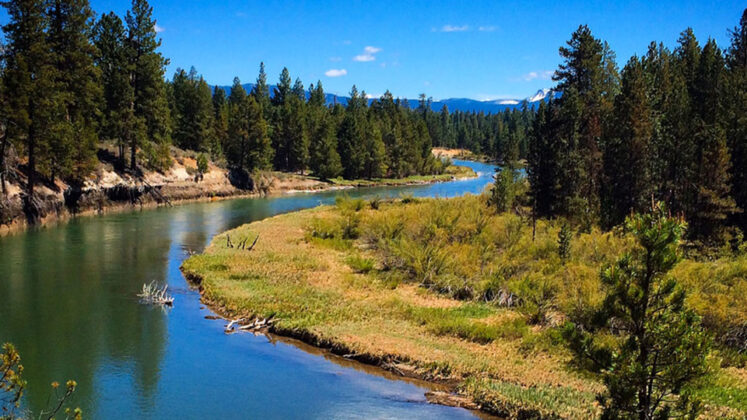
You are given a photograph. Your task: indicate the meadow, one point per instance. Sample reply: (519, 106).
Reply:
(451, 291)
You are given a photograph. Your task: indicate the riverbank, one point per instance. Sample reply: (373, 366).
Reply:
(111, 191)
(446, 313)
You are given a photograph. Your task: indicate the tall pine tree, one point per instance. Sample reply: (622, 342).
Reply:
(118, 120)
(29, 79)
(77, 81)
(150, 105)
(735, 89)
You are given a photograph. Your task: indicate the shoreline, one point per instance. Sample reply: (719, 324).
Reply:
(63, 215)
(441, 390)
(384, 352)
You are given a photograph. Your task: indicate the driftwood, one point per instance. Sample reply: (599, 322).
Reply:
(229, 327)
(152, 294)
(253, 243)
(255, 325)
(241, 244)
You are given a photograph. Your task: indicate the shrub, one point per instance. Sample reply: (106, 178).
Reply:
(323, 228)
(375, 202)
(202, 163)
(360, 264)
(537, 297)
(564, 242)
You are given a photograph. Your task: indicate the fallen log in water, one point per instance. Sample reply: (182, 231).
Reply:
(152, 294)
(256, 325)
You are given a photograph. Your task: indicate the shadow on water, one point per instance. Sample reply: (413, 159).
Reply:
(67, 300)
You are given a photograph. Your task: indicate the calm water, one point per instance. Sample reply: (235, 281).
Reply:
(67, 300)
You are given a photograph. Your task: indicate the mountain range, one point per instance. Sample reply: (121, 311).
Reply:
(454, 104)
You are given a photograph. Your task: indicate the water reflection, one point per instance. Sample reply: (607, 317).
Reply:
(67, 300)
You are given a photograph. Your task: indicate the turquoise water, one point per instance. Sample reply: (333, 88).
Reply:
(68, 301)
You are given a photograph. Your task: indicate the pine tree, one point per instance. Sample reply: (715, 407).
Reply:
(283, 90)
(260, 147)
(150, 105)
(587, 79)
(29, 79)
(541, 163)
(192, 112)
(112, 58)
(713, 200)
(220, 119)
(295, 129)
(77, 82)
(317, 97)
(324, 160)
(261, 92)
(237, 145)
(375, 157)
(662, 346)
(736, 114)
(628, 186)
(350, 137)
(298, 90)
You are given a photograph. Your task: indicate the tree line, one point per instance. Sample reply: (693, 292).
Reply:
(293, 129)
(671, 127)
(501, 136)
(71, 81)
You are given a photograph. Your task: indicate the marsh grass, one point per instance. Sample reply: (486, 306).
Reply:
(458, 292)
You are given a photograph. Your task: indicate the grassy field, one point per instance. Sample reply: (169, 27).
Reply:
(449, 291)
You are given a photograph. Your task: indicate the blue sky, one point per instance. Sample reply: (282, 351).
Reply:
(474, 49)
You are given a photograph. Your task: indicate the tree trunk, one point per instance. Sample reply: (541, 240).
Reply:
(133, 161)
(121, 156)
(32, 165)
(3, 146)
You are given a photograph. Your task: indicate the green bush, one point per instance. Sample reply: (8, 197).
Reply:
(360, 264)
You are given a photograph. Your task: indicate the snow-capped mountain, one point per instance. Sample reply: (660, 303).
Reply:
(454, 104)
(540, 95)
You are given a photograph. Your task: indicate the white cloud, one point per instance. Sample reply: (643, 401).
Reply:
(541, 75)
(157, 28)
(454, 28)
(364, 58)
(335, 59)
(346, 42)
(368, 54)
(335, 72)
(489, 28)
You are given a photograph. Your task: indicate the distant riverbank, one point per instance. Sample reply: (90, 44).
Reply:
(113, 191)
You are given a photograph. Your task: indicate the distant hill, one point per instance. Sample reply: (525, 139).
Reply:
(454, 104)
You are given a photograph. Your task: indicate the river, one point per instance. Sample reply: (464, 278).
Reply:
(68, 302)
